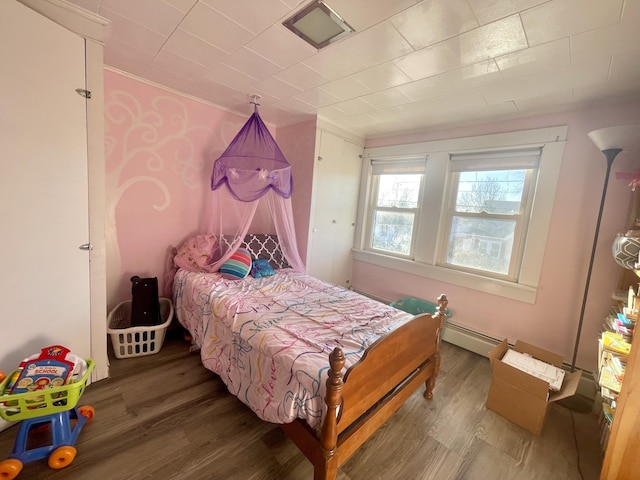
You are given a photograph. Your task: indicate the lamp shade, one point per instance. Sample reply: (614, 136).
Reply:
(620, 137)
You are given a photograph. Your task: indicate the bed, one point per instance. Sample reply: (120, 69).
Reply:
(327, 364)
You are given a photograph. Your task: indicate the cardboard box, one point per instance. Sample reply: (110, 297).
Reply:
(521, 397)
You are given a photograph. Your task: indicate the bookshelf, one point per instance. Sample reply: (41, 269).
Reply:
(621, 412)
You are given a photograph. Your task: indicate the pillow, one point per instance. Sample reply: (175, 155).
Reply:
(261, 268)
(238, 266)
(195, 253)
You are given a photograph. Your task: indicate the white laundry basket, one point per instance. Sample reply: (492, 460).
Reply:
(128, 341)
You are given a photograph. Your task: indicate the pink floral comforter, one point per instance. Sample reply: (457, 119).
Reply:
(269, 339)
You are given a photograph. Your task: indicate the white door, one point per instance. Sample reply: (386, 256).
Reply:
(336, 183)
(43, 187)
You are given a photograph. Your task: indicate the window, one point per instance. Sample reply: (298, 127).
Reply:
(397, 191)
(489, 203)
(471, 211)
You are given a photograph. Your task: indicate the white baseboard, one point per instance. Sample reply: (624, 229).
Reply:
(468, 339)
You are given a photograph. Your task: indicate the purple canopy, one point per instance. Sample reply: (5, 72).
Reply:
(252, 164)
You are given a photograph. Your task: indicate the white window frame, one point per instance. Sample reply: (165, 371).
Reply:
(512, 159)
(381, 167)
(424, 263)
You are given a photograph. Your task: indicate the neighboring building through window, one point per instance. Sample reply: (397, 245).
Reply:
(473, 211)
(489, 202)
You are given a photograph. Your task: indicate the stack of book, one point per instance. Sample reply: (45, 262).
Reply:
(614, 347)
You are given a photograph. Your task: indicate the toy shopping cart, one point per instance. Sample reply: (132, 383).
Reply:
(52, 409)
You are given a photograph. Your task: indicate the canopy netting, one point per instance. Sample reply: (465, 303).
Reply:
(252, 164)
(254, 169)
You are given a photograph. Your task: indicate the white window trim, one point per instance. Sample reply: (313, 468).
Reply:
(552, 140)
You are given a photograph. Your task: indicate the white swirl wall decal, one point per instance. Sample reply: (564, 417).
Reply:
(156, 136)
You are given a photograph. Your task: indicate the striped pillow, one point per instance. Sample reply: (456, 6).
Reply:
(238, 266)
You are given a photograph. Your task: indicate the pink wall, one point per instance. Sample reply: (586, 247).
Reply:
(297, 142)
(160, 148)
(552, 321)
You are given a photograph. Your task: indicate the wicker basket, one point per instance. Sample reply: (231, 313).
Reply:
(128, 341)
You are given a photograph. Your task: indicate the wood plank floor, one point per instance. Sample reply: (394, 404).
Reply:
(165, 416)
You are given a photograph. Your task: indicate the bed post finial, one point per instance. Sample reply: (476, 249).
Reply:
(442, 304)
(333, 399)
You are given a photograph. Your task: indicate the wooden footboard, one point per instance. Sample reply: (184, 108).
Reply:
(362, 399)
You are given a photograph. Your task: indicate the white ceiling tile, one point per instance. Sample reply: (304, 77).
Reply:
(90, 5)
(164, 18)
(132, 35)
(330, 113)
(127, 58)
(561, 18)
(278, 45)
(381, 76)
(277, 88)
(296, 105)
(182, 66)
(429, 87)
(625, 66)
(579, 52)
(631, 12)
(544, 103)
(622, 37)
(254, 16)
(214, 28)
(430, 22)
(354, 106)
(464, 78)
(232, 78)
(488, 11)
(535, 59)
(317, 97)
(429, 61)
(302, 77)
(513, 89)
(491, 40)
(335, 62)
(252, 64)
(386, 98)
(193, 48)
(362, 14)
(497, 38)
(345, 88)
(293, 4)
(182, 5)
(375, 45)
(573, 76)
(608, 91)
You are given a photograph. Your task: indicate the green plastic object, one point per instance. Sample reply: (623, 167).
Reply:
(416, 306)
(43, 402)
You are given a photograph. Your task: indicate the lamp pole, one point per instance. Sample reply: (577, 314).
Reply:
(610, 154)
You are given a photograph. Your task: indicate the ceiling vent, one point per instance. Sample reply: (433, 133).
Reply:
(318, 25)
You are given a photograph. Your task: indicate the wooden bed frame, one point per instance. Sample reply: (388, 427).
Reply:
(362, 399)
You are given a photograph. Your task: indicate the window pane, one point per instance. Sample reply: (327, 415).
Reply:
(399, 191)
(481, 243)
(392, 231)
(495, 191)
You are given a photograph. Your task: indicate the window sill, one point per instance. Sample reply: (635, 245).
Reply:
(514, 291)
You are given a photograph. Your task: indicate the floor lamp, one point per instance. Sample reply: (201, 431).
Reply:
(611, 141)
